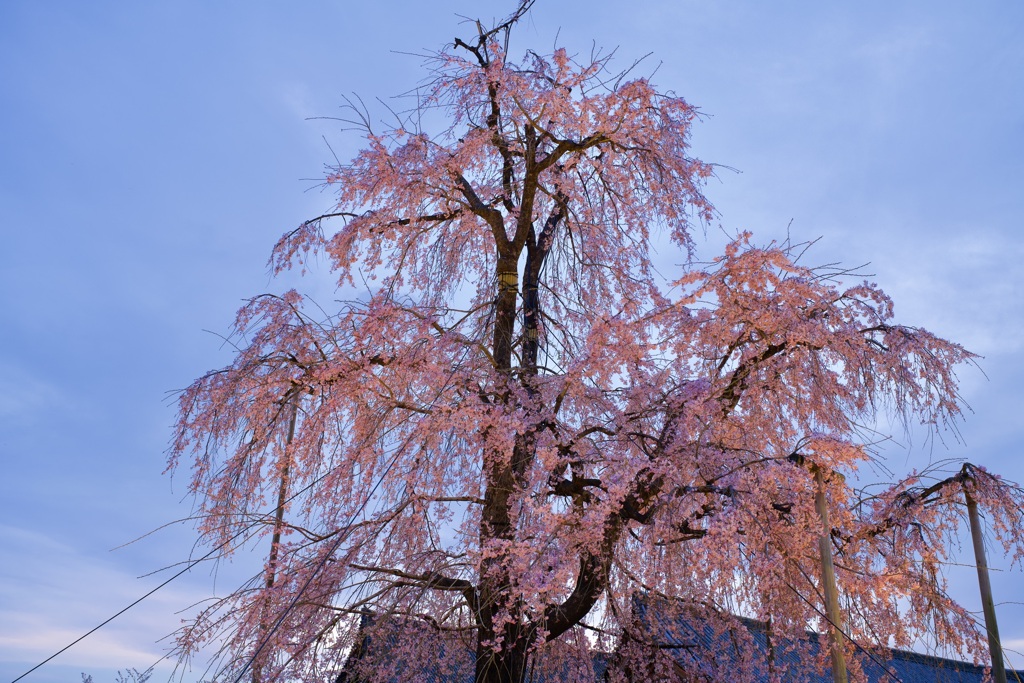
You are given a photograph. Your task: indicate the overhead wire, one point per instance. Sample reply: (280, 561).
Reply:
(188, 566)
(323, 560)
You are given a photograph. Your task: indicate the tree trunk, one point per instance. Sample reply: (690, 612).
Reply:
(507, 666)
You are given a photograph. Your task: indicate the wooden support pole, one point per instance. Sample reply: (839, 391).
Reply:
(828, 581)
(987, 604)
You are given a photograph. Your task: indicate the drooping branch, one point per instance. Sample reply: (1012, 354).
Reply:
(495, 441)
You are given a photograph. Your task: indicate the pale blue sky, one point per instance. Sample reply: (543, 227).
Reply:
(151, 154)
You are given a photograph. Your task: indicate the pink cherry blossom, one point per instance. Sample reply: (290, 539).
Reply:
(520, 426)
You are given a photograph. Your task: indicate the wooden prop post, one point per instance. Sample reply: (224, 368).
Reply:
(828, 581)
(987, 604)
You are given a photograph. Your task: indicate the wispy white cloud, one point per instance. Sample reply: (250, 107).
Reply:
(35, 638)
(894, 55)
(297, 99)
(23, 394)
(53, 594)
(949, 282)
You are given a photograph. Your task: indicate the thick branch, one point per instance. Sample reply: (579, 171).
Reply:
(429, 580)
(491, 215)
(591, 582)
(737, 382)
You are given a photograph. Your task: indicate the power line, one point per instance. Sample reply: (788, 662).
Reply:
(88, 633)
(323, 560)
(187, 567)
(837, 627)
(846, 635)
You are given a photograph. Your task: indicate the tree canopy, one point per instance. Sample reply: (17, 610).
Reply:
(518, 424)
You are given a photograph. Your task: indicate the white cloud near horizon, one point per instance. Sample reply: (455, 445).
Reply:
(56, 593)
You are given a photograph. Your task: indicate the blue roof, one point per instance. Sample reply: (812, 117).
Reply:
(451, 659)
(716, 653)
(695, 645)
